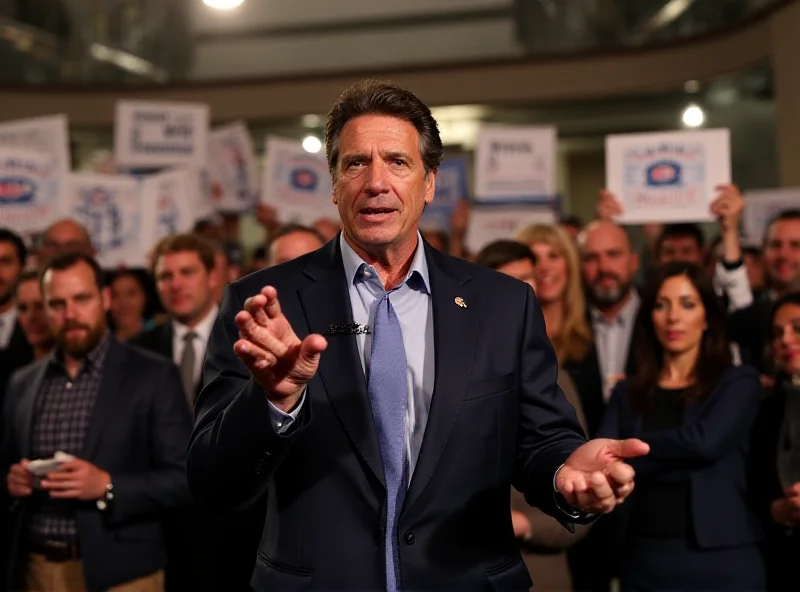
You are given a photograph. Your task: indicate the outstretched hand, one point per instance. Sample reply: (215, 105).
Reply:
(271, 350)
(596, 477)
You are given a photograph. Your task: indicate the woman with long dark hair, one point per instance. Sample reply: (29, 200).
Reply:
(689, 524)
(776, 447)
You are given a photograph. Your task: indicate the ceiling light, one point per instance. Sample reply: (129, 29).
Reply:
(693, 116)
(223, 4)
(312, 144)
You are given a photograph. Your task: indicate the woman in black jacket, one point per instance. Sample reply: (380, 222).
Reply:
(688, 524)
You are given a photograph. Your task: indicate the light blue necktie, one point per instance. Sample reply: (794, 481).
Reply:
(387, 393)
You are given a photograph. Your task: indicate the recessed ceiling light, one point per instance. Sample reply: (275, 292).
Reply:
(223, 4)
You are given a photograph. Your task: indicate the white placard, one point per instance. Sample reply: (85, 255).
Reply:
(109, 206)
(515, 163)
(761, 206)
(297, 183)
(170, 202)
(155, 134)
(49, 135)
(667, 177)
(232, 167)
(490, 223)
(28, 190)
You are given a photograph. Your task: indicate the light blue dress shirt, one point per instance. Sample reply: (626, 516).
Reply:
(412, 303)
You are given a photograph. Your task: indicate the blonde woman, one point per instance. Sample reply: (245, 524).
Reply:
(559, 289)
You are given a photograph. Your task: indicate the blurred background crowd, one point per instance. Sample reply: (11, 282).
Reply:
(617, 301)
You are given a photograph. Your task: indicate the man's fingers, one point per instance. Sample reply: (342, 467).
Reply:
(629, 448)
(255, 306)
(66, 494)
(621, 473)
(311, 348)
(272, 306)
(259, 335)
(253, 356)
(57, 476)
(600, 486)
(57, 485)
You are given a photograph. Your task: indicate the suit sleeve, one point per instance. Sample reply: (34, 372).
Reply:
(725, 421)
(234, 449)
(548, 427)
(165, 485)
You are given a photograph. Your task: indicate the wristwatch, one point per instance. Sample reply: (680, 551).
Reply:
(108, 496)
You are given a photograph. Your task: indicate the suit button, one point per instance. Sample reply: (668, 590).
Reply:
(409, 538)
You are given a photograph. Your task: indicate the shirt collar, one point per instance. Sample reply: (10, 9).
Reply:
(353, 264)
(625, 316)
(202, 329)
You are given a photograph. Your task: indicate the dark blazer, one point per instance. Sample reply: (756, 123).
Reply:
(749, 328)
(496, 417)
(138, 433)
(16, 355)
(782, 545)
(157, 340)
(206, 551)
(712, 443)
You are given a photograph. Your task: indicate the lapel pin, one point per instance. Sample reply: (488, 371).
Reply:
(460, 302)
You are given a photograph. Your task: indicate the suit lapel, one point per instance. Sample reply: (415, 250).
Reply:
(326, 302)
(110, 385)
(26, 408)
(455, 332)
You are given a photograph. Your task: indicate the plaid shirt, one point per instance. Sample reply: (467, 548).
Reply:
(60, 422)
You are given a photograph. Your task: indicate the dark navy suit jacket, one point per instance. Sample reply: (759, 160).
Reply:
(712, 445)
(496, 417)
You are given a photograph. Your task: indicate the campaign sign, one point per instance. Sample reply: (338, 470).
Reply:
(297, 183)
(232, 167)
(170, 203)
(49, 135)
(110, 209)
(489, 223)
(156, 134)
(515, 164)
(451, 186)
(669, 177)
(28, 190)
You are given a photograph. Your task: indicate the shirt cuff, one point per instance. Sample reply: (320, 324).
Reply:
(571, 513)
(281, 422)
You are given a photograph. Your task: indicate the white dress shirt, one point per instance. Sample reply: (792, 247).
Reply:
(203, 331)
(613, 339)
(8, 320)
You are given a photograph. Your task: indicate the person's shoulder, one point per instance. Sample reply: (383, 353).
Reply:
(744, 374)
(143, 360)
(147, 337)
(288, 274)
(25, 374)
(742, 379)
(483, 278)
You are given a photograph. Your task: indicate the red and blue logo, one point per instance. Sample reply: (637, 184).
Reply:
(664, 172)
(16, 190)
(305, 179)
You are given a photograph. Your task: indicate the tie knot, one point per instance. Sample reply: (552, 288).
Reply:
(189, 337)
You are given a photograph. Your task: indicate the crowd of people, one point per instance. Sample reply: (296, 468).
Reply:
(689, 345)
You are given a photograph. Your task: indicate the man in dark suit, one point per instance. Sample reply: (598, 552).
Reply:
(14, 349)
(95, 521)
(389, 446)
